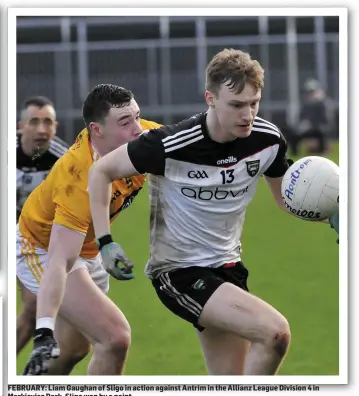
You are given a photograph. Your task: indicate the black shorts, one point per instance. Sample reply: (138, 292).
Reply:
(185, 291)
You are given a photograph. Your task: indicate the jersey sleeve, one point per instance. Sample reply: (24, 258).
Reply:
(71, 199)
(147, 153)
(280, 164)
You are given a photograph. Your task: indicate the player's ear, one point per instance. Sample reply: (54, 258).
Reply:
(94, 128)
(209, 97)
(20, 125)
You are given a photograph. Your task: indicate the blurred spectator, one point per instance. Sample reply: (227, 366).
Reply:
(316, 121)
(37, 147)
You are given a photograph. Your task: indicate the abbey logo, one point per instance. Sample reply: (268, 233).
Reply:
(252, 167)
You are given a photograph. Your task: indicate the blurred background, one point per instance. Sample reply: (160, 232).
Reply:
(293, 264)
(162, 60)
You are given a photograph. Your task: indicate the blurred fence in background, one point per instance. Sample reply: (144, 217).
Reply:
(162, 59)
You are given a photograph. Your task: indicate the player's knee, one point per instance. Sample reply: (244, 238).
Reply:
(280, 338)
(121, 340)
(114, 340)
(118, 341)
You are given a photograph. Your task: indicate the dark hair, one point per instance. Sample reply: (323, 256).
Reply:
(234, 68)
(101, 99)
(38, 101)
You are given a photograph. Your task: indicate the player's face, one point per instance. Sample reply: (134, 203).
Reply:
(236, 112)
(38, 125)
(122, 125)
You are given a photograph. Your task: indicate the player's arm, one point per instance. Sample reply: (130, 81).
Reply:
(276, 171)
(275, 184)
(144, 155)
(64, 249)
(113, 166)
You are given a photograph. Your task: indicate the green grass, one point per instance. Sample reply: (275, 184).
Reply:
(293, 265)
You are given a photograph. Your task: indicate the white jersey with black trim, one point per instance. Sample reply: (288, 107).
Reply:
(31, 171)
(200, 189)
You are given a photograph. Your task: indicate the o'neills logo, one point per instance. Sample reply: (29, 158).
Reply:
(229, 160)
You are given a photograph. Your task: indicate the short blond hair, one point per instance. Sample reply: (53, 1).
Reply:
(236, 68)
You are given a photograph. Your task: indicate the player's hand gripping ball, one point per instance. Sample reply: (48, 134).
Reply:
(310, 188)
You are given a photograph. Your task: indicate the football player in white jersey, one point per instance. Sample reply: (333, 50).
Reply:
(203, 174)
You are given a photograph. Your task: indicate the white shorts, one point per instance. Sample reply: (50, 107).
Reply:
(31, 261)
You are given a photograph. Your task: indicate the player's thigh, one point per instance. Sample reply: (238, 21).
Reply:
(235, 310)
(72, 343)
(87, 308)
(223, 350)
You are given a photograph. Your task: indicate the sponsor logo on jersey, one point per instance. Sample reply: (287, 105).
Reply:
(252, 167)
(197, 174)
(229, 160)
(126, 203)
(204, 194)
(115, 195)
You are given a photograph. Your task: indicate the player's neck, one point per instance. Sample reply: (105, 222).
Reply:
(215, 130)
(98, 148)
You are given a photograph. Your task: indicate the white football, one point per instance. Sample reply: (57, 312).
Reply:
(310, 188)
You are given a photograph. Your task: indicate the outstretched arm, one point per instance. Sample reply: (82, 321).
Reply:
(112, 166)
(274, 184)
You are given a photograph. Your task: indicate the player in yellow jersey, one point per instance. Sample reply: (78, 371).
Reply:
(55, 245)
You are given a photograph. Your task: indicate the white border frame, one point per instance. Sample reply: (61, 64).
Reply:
(342, 378)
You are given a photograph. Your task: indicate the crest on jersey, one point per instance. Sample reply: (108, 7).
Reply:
(252, 167)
